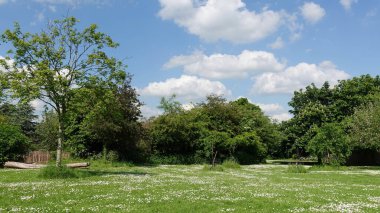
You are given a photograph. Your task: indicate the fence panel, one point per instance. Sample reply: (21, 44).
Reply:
(42, 157)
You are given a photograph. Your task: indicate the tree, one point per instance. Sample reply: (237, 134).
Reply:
(247, 148)
(313, 107)
(364, 127)
(49, 65)
(330, 144)
(170, 105)
(104, 117)
(47, 131)
(13, 143)
(21, 115)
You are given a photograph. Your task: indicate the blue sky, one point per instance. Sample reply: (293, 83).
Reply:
(262, 50)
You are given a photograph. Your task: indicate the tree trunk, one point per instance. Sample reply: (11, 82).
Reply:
(18, 165)
(58, 162)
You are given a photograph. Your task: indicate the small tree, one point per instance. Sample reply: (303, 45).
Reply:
(50, 64)
(330, 145)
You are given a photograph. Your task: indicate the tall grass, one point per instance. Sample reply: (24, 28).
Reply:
(53, 172)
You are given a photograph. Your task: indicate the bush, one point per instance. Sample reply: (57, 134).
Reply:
(247, 148)
(53, 172)
(231, 164)
(13, 143)
(297, 169)
(330, 145)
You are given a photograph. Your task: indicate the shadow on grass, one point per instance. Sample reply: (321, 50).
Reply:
(90, 173)
(367, 167)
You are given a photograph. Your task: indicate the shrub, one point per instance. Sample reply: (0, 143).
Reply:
(13, 143)
(330, 145)
(53, 172)
(247, 148)
(297, 169)
(231, 164)
(172, 159)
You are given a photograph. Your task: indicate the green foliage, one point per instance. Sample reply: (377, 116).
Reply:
(51, 64)
(231, 164)
(173, 134)
(157, 159)
(21, 115)
(247, 148)
(313, 107)
(330, 145)
(364, 127)
(13, 143)
(217, 168)
(296, 168)
(53, 172)
(215, 129)
(170, 105)
(104, 117)
(47, 131)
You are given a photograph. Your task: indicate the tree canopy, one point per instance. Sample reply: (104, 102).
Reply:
(51, 64)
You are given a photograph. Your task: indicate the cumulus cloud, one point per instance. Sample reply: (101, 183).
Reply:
(297, 77)
(228, 20)
(275, 111)
(222, 66)
(187, 87)
(281, 117)
(347, 3)
(277, 44)
(271, 108)
(148, 111)
(312, 12)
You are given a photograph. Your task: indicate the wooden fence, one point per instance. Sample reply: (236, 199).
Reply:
(42, 157)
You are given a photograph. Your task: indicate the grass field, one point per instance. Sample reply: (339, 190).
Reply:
(257, 188)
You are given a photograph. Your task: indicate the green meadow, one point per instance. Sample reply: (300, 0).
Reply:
(255, 188)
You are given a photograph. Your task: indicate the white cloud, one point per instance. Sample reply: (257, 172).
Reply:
(3, 2)
(347, 3)
(271, 108)
(9, 63)
(275, 112)
(281, 117)
(277, 44)
(312, 12)
(222, 66)
(52, 8)
(228, 20)
(188, 106)
(148, 111)
(187, 87)
(38, 105)
(297, 77)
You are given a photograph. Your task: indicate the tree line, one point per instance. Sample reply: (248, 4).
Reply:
(92, 110)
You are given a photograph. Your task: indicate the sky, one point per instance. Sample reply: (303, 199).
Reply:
(261, 50)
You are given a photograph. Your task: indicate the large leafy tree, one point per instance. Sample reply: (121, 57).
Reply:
(313, 107)
(364, 127)
(50, 64)
(104, 117)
